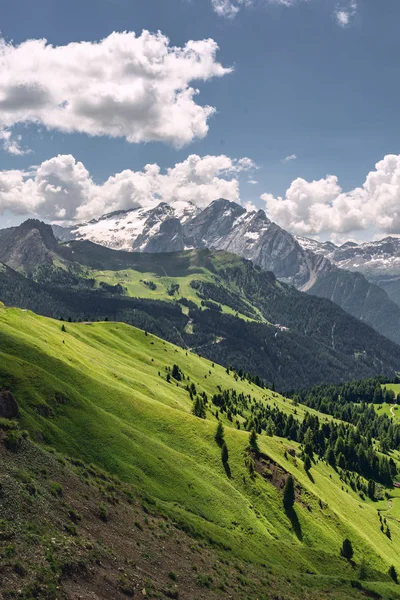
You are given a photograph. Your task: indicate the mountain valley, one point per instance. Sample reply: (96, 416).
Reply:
(146, 395)
(212, 302)
(225, 225)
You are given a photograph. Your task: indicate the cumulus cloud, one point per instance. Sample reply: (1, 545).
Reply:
(252, 181)
(62, 189)
(250, 207)
(316, 207)
(136, 87)
(290, 157)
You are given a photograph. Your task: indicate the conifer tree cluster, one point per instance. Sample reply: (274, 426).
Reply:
(341, 445)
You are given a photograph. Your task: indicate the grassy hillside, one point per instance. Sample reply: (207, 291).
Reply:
(69, 530)
(99, 392)
(213, 303)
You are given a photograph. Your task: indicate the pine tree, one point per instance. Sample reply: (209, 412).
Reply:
(63, 328)
(288, 493)
(347, 549)
(330, 457)
(371, 489)
(309, 442)
(253, 440)
(199, 410)
(307, 463)
(270, 429)
(176, 373)
(341, 461)
(219, 435)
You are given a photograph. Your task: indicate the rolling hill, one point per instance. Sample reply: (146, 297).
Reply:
(212, 302)
(109, 394)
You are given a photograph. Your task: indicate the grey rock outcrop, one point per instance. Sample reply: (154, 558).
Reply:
(8, 405)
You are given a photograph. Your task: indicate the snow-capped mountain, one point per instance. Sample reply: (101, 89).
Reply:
(324, 248)
(222, 225)
(381, 256)
(225, 225)
(378, 261)
(135, 229)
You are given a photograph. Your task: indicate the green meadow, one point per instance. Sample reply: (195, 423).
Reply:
(157, 282)
(100, 392)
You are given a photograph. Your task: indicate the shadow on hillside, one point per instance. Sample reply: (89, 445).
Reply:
(310, 477)
(292, 516)
(227, 470)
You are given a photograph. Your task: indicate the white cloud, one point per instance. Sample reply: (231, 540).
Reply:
(290, 157)
(250, 207)
(16, 193)
(229, 8)
(245, 164)
(62, 189)
(136, 87)
(344, 15)
(252, 181)
(11, 144)
(321, 206)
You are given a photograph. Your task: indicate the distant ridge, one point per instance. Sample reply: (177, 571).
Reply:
(225, 225)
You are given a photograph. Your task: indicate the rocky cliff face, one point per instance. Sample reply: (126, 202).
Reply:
(227, 226)
(23, 248)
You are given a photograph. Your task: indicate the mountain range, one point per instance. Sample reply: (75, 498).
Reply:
(212, 302)
(136, 467)
(305, 264)
(378, 261)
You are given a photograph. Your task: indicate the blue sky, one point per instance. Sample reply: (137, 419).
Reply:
(301, 85)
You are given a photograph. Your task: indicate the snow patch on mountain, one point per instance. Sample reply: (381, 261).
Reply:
(121, 230)
(376, 258)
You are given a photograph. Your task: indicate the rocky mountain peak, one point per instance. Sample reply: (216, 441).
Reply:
(34, 226)
(25, 247)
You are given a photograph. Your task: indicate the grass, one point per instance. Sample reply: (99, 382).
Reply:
(391, 410)
(133, 281)
(393, 386)
(120, 413)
